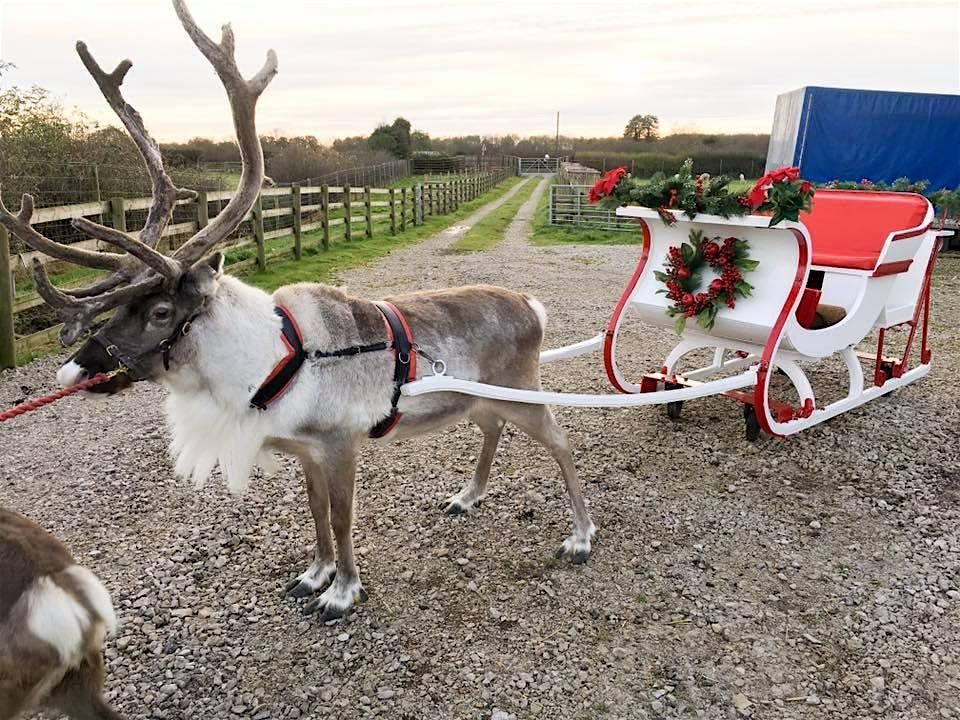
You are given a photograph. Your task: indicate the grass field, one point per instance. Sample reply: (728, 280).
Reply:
(489, 231)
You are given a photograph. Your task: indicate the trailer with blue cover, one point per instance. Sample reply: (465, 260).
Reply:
(851, 135)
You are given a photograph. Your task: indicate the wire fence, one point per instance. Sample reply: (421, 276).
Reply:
(569, 207)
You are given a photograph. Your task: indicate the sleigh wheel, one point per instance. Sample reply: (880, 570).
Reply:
(675, 408)
(751, 425)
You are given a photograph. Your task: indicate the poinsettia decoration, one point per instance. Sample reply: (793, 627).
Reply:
(781, 192)
(683, 281)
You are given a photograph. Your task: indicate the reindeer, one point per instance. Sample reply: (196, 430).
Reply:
(54, 616)
(309, 371)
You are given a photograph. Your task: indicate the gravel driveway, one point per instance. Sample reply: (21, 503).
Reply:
(813, 577)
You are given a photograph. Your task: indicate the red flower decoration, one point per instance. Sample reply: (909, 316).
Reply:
(605, 186)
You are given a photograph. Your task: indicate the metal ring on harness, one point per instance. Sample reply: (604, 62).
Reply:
(439, 367)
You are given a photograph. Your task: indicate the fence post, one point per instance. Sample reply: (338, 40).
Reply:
(325, 216)
(347, 229)
(403, 209)
(367, 214)
(258, 233)
(418, 204)
(118, 216)
(203, 209)
(393, 211)
(295, 199)
(8, 348)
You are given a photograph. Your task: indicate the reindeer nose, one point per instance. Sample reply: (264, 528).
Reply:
(70, 374)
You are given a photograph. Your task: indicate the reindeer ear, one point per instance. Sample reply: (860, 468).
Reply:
(215, 261)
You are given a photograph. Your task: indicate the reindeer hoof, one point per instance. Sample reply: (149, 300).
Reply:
(461, 503)
(336, 601)
(577, 547)
(317, 577)
(454, 508)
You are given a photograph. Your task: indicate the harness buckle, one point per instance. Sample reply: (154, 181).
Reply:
(186, 327)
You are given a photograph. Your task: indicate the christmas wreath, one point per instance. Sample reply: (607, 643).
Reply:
(683, 281)
(780, 192)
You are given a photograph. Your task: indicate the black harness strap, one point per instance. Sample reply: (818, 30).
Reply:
(405, 363)
(285, 370)
(399, 340)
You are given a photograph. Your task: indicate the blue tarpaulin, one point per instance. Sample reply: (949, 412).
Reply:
(839, 134)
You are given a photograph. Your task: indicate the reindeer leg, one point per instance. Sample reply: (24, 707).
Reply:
(538, 422)
(474, 491)
(346, 590)
(79, 693)
(324, 566)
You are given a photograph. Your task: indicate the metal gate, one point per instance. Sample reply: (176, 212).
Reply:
(538, 166)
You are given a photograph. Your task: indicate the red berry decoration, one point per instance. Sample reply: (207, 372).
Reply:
(729, 260)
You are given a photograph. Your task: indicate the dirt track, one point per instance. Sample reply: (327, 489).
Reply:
(813, 577)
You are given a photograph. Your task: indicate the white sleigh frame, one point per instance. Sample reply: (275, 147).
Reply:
(762, 333)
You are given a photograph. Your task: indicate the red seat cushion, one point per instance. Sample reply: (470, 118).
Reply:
(849, 227)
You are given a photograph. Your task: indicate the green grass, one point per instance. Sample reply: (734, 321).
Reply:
(489, 231)
(74, 275)
(319, 265)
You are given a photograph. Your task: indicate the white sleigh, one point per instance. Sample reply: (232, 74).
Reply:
(871, 253)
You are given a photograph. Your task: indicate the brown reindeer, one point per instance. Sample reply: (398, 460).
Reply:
(310, 370)
(54, 616)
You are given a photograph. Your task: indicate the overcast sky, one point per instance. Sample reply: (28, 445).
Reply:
(487, 66)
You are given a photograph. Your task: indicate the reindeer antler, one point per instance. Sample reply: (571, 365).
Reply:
(142, 267)
(243, 95)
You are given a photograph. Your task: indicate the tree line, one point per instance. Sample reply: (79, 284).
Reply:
(46, 150)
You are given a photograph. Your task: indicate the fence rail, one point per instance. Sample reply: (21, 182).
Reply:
(339, 212)
(569, 207)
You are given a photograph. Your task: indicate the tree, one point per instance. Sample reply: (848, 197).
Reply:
(642, 127)
(401, 131)
(419, 141)
(394, 139)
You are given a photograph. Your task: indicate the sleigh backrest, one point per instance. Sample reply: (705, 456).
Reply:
(849, 228)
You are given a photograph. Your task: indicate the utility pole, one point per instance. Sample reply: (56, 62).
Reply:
(558, 133)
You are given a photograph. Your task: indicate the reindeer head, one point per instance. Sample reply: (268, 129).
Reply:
(155, 297)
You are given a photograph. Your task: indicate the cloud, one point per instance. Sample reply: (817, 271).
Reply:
(495, 66)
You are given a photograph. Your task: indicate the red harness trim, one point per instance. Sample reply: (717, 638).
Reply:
(283, 373)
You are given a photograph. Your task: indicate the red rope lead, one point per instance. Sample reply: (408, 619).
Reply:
(53, 397)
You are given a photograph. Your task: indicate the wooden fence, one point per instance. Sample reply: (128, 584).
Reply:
(338, 213)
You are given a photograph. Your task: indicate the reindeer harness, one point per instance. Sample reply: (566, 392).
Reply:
(399, 341)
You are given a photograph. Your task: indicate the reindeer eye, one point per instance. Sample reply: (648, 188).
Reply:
(160, 313)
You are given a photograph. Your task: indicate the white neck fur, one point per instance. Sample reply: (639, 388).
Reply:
(216, 369)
